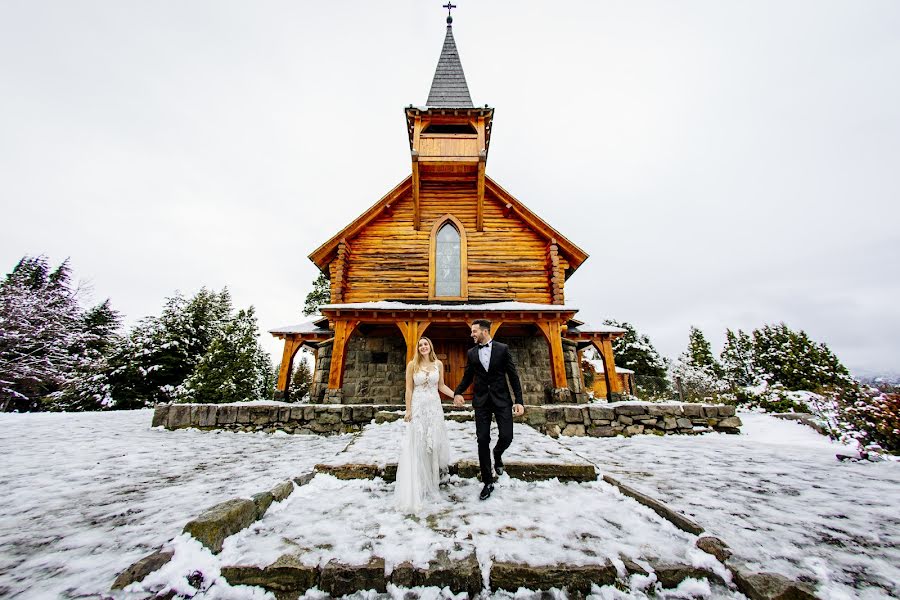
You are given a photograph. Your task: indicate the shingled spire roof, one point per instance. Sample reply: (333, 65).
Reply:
(449, 89)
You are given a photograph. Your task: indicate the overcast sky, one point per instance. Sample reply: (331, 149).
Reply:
(725, 164)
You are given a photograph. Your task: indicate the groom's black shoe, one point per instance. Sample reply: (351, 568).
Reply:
(486, 491)
(498, 466)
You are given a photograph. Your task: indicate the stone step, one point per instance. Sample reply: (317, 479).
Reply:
(526, 471)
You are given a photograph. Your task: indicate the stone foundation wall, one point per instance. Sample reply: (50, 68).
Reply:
(376, 368)
(594, 420)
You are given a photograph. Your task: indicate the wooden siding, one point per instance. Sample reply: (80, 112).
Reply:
(506, 261)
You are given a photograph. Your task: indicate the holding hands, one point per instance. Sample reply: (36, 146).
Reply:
(458, 400)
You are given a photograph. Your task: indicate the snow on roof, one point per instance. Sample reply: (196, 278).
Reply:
(584, 328)
(486, 307)
(309, 326)
(598, 366)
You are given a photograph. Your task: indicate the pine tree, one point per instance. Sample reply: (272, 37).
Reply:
(301, 380)
(737, 359)
(792, 360)
(233, 368)
(320, 294)
(635, 351)
(697, 370)
(160, 353)
(42, 334)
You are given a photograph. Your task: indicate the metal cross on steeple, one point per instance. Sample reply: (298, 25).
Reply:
(449, 7)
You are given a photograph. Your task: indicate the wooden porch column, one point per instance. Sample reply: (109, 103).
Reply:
(412, 331)
(292, 344)
(609, 364)
(553, 333)
(343, 329)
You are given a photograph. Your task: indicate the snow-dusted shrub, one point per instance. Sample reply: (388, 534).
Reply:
(871, 417)
(635, 351)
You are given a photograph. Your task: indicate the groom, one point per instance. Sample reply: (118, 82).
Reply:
(489, 364)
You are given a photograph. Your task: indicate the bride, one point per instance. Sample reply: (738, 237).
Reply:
(424, 453)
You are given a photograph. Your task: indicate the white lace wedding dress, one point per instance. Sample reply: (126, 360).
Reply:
(424, 450)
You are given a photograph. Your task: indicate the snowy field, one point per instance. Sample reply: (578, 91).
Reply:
(778, 496)
(84, 495)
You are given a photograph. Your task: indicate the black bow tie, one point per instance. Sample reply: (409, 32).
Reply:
(480, 346)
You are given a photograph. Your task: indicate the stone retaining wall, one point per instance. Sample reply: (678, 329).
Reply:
(594, 420)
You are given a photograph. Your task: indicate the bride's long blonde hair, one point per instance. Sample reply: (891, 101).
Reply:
(417, 359)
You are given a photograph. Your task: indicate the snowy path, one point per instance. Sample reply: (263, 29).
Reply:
(85, 495)
(778, 496)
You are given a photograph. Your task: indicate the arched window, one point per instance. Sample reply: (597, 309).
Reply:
(448, 260)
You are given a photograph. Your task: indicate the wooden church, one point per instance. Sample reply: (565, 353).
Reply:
(446, 246)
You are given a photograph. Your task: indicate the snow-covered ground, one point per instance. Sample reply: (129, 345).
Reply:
(84, 495)
(778, 496)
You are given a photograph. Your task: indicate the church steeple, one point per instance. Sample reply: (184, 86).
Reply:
(448, 88)
(449, 138)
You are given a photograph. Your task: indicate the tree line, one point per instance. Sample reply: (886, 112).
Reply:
(57, 355)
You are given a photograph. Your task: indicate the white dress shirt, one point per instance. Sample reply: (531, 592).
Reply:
(484, 355)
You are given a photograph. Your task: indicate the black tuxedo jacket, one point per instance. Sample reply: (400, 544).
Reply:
(491, 385)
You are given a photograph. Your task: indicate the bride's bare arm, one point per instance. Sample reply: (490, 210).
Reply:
(443, 388)
(409, 390)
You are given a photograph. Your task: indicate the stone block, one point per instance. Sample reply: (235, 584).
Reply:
(670, 575)
(284, 414)
(661, 410)
(669, 423)
(535, 416)
(179, 416)
(573, 429)
(350, 470)
(263, 501)
(631, 409)
(603, 431)
(692, 410)
(338, 579)
(573, 415)
(243, 415)
(710, 411)
(576, 580)
(634, 430)
(554, 415)
(139, 570)
(208, 414)
(730, 423)
(260, 415)
(715, 546)
(222, 520)
(726, 411)
(363, 414)
(770, 586)
(325, 417)
(296, 414)
(287, 574)
(624, 420)
(601, 413)
(552, 429)
(309, 413)
(684, 423)
(160, 415)
(460, 576)
(226, 415)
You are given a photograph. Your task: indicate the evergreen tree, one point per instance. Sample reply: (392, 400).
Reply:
(42, 333)
(301, 380)
(737, 359)
(320, 294)
(160, 353)
(697, 371)
(635, 351)
(791, 359)
(234, 368)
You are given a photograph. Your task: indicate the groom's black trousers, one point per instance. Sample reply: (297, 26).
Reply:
(483, 414)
